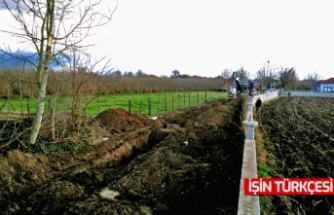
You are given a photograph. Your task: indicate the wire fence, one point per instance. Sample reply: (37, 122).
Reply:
(145, 104)
(153, 106)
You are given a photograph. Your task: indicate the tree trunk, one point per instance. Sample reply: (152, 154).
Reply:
(41, 93)
(40, 109)
(43, 69)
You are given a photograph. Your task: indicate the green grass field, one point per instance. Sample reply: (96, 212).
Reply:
(150, 104)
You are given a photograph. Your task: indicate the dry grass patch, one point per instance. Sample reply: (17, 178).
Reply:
(260, 142)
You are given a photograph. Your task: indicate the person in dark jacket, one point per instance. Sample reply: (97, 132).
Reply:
(250, 88)
(239, 88)
(258, 104)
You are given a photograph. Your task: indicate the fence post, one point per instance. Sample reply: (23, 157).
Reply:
(205, 96)
(149, 106)
(197, 97)
(178, 95)
(172, 102)
(165, 103)
(140, 106)
(189, 96)
(129, 105)
(184, 100)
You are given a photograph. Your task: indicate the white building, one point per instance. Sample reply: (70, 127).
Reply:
(325, 86)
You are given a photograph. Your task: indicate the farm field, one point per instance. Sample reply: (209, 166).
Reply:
(151, 104)
(298, 134)
(187, 161)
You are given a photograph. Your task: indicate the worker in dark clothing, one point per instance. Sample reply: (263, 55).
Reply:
(258, 104)
(239, 88)
(250, 87)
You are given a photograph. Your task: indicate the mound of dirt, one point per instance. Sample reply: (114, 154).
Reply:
(120, 120)
(187, 161)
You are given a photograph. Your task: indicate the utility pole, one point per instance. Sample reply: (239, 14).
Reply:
(269, 73)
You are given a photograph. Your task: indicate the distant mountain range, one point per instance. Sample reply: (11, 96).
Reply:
(20, 60)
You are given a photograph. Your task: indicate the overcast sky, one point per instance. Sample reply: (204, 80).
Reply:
(204, 37)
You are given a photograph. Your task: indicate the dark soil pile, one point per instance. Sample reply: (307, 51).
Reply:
(187, 161)
(120, 120)
(300, 144)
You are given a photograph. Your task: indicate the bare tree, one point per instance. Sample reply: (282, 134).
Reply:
(243, 74)
(226, 74)
(313, 77)
(309, 82)
(288, 78)
(84, 82)
(52, 27)
(261, 76)
(266, 75)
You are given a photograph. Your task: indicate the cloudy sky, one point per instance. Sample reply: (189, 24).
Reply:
(204, 37)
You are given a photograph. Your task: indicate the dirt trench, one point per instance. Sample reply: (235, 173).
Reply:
(186, 161)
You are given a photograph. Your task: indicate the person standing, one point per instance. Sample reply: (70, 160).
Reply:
(250, 88)
(239, 88)
(258, 105)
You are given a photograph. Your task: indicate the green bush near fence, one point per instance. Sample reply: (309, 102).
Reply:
(149, 104)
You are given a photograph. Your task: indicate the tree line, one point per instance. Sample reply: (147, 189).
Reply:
(15, 83)
(270, 76)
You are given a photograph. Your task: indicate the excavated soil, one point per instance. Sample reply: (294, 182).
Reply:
(299, 142)
(187, 161)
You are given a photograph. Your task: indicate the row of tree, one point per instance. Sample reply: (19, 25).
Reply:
(279, 77)
(15, 84)
(266, 76)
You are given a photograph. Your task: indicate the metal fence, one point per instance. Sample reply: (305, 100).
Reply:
(147, 105)
(306, 94)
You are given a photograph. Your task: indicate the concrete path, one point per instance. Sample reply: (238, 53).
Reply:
(250, 205)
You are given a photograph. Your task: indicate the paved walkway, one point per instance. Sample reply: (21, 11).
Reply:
(250, 205)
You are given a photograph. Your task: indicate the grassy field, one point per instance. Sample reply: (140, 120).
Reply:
(150, 104)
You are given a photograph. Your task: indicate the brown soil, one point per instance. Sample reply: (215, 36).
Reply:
(187, 161)
(120, 120)
(299, 143)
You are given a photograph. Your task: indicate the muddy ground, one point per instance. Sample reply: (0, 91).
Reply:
(186, 161)
(299, 136)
